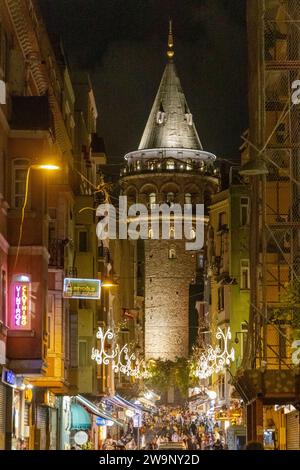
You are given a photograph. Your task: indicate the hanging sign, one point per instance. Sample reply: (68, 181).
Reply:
(8, 377)
(100, 421)
(81, 288)
(21, 303)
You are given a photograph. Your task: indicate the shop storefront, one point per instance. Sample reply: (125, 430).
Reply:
(293, 430)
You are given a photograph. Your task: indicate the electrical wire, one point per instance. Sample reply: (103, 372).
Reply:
(22, 215)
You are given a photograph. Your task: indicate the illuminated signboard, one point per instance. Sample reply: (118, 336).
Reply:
(8, 377)
(100, 421)
(21, 303)
(81, 288)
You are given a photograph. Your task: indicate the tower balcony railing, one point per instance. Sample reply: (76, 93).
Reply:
(163, 166)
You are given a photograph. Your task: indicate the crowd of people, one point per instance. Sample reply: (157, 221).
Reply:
(195, 432)
(181, 425)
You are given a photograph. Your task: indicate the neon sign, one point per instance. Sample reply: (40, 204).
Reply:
(21, 312)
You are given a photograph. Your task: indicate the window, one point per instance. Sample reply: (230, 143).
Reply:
(20, 169)
(188, 198)
(170, 165)
(222, 220)
(170, 199)
(189, 118)
(171, 233)
(82, 351)
(189, 164)
(245, 274)
(83, 304)
(244, 333)
(150, 233)
(152, 200)
(244, 215)
(3, 297)
(83, 241)
(160, 117)
(172, 253)
(221, 303)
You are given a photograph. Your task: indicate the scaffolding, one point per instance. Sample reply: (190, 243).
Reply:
(274, 139)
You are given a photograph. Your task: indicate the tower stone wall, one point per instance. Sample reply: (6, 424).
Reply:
(167, 283)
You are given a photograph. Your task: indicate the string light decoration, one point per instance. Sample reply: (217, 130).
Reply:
(214, 360)
(122, 360)
(100, 355)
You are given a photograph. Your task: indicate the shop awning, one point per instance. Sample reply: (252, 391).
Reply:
(148, 403)
(121, 402)
(80, 418)
(96, 410)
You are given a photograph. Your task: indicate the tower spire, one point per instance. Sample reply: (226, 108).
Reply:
(170, 51)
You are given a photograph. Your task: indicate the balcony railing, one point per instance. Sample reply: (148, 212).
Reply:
(164, 166)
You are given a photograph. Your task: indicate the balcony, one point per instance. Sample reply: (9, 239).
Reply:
(56, 251)
(170, 160)
(164, 166)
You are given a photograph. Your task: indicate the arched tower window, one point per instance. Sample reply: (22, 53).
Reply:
(170, 198)
(188, 198)
(152, 200)
(172, 253)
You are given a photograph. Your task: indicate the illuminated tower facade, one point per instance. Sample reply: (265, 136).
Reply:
(170, 166)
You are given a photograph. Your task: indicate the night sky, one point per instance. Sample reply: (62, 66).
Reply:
(122, 44)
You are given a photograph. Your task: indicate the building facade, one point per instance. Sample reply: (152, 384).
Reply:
(49, 116)
(268, 380)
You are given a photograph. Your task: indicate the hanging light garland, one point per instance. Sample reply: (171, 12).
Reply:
(122, 360)
(214, 360)
(100, 355)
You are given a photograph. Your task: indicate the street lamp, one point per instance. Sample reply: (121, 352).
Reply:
(48, 166)
(108, 283)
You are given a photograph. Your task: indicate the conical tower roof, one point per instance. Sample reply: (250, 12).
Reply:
(170, 124)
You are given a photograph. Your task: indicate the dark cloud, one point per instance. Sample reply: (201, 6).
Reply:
(122, 44)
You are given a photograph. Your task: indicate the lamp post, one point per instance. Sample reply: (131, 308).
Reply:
(48, 166)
